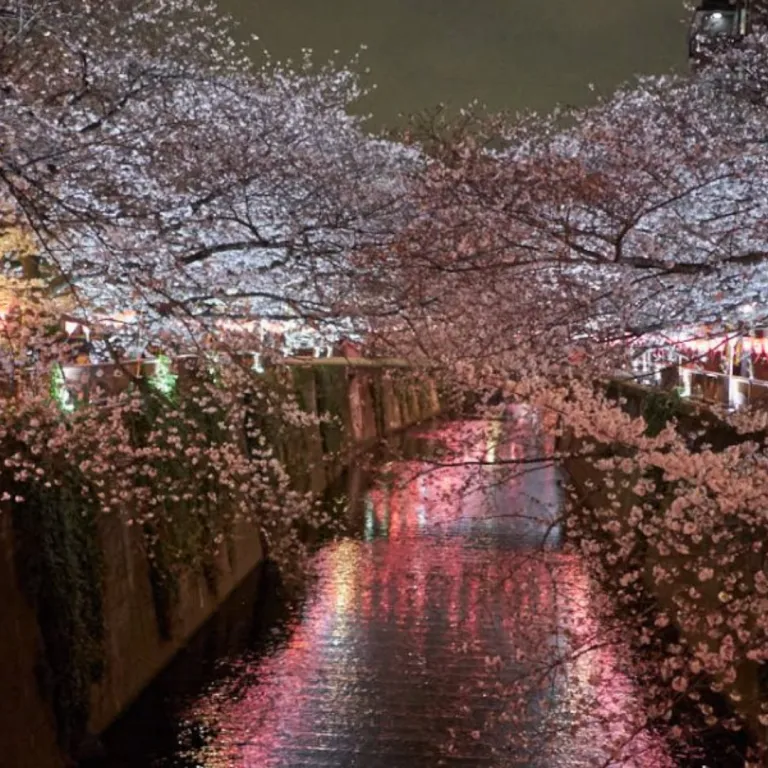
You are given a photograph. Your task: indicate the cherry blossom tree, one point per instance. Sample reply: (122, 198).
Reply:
(156, 169)
(643, 213)
(162, 171)
(148, 168)
(538, 249)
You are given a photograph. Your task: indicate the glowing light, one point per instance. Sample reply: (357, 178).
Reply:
(163, 379)
(685, 375)
(737, 396)
(59, 392)
(493, 441)
(370, 520)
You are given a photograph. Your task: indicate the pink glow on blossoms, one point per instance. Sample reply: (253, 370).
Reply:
(422, 643)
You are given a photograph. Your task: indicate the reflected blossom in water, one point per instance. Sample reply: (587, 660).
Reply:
(453, 633)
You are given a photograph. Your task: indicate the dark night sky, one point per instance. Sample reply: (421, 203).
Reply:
(509, 54)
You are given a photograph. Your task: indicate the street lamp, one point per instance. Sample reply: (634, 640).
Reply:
(716, 24)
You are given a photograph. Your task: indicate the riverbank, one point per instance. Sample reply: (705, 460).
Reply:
(133, 623)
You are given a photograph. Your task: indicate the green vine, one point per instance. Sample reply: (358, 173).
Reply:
(59, 392)
(376, 388)
(60, 567)
(658, 409)
(184, 537)
(333, 403)
(163, 379)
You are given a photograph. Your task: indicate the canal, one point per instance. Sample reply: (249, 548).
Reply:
(508, 54)
(449, 628)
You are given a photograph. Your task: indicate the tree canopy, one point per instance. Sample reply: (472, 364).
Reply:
(150, 166)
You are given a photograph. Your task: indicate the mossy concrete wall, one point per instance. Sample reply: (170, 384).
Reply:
(368, 401)
(136, 649)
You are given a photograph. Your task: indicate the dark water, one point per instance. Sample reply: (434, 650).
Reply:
(436, 636)
(509, 54)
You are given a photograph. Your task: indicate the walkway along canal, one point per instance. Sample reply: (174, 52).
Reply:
(415, 639)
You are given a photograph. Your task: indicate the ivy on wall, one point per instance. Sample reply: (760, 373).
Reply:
(60, 567)
(333, 407)
(658, 409)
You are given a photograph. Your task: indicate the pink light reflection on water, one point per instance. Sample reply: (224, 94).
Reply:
(387, 665)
